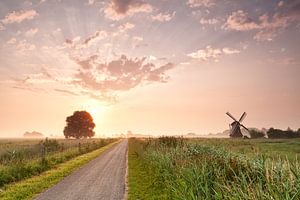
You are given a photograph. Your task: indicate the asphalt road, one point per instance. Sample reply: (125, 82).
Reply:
(101, 178)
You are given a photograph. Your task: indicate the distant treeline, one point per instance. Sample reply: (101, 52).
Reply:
(277, 133)
(273, 133)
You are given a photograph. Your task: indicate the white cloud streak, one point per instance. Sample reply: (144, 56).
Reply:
(200, 3)
(19, 16)
(210, 53)
(163, 17)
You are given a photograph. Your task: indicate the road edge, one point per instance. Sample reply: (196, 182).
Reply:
(126, 175)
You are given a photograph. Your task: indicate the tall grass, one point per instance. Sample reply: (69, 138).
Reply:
(188, 170)
(18, 164)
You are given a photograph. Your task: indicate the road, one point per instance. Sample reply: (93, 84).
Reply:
(101, 178)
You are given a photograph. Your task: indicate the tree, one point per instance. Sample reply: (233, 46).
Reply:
(276, 133)
(254, 133)
(79, 125)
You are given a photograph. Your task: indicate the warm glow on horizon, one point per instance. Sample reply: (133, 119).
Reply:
(97, 112)
(95, 109)
(150, 67)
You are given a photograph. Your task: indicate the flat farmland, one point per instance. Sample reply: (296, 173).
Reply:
(177, 168)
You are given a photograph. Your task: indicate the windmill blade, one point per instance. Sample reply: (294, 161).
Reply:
(244, 127)
(231, 116)
(243, 117)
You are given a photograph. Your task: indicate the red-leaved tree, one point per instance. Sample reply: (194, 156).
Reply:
(79, 125)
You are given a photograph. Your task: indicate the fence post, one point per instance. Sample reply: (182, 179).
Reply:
(79, 147)
(62, 147)
(88, 147)
(43, 153)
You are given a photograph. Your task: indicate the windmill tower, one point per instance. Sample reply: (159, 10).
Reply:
(235, 126)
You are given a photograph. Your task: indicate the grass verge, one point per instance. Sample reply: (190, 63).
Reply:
(30, 187)
(21, 164)
(141, 183)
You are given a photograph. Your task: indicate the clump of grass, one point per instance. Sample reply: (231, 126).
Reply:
(170, 141)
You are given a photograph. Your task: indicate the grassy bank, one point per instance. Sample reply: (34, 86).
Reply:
(19, 161)
(212, 169)
(28, 188)
(141, 179)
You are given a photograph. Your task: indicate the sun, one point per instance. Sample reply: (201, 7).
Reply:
(96, 109)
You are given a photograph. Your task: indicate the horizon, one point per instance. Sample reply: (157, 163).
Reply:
(157, 67)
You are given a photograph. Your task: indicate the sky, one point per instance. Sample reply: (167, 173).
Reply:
(152, 67)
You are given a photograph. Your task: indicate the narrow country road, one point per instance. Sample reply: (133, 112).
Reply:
(101, 178)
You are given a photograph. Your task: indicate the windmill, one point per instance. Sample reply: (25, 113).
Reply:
(235, 127)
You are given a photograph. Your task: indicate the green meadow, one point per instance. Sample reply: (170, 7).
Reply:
(177, 168)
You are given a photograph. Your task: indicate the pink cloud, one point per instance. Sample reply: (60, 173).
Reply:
(119, 75)
(118, 9)
(240, 21)
(2, 27)
(91, 40)
(125, 27)
(31, 32)
(22, 45)
(98, 35)
(19, 16)
(267, 26)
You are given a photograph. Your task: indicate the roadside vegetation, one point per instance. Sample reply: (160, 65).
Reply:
(29, 188)
(177, 168)
(22, 159)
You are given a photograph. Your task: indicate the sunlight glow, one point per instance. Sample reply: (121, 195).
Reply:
(96, 109)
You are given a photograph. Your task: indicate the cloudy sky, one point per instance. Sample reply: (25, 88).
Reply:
(153, 67)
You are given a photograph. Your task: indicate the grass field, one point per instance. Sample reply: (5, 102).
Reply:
(176, 168)
(22, 159)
